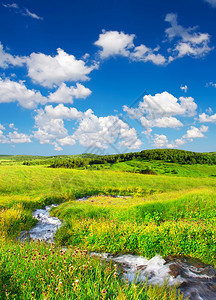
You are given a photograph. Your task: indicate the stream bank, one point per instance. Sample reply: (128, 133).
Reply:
(195, 279)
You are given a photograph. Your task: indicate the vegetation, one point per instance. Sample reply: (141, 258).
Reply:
(40, 271)
(166, 155)
(182, 226)
(173, 213)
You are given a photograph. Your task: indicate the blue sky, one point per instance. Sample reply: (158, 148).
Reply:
(107, 76)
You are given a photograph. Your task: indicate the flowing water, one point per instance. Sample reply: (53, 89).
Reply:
(197, 280)
(45, 228)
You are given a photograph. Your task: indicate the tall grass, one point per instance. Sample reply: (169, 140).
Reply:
(40, 271)
(182, 227)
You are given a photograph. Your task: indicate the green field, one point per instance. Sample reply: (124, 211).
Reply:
(171, 213)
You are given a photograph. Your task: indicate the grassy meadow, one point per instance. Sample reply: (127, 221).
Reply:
(171, 213)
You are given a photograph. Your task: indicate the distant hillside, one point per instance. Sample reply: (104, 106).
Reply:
(165, 155)
(88, 159)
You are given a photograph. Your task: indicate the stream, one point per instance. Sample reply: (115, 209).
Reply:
(197, 280)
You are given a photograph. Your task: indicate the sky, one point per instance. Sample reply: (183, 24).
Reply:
(107, 77)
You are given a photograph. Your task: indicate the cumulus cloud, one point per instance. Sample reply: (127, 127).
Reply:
(6, 59)
(161, 141)
(195, 132)
(164, 122)
(49, 129)
(50, 125)
(12, 126)
(119, 43)
(11, 91)
(92, 131)
(61, 112)
(3, 139)
(101, 132)
(67, 141)
(114, 43)
(158, 110)
(184, 88)
(2, 127)
(18, 138)
(145, 54)
(190, 43)
(14, 137)
(65, 94)
(50, 70)
(204, 118)
(211, 2)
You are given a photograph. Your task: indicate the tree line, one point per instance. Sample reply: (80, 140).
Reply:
(166, 155)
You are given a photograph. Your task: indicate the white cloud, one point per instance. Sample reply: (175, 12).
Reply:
(204, 118)
(6, 59)
(161, 141)
(49, 130)
(119, 43)
(66, 94)
(3, 139)
(12, 5)
(32, 15)
(62, 112)
(211, 84)
(11, 91)
(188, 105)
(195, 132)
(158, 110)
(145, 54)
(22, 11)
(50, 125)
(191, 43)
(165, 122)
(189, 49)
(50, 70)
(12, 126)
(211, 2)
(18, 138)
(2, 127)
(101, 132)
(179, 142)
(114, 43)
(184, 88)
(67, 141)
(14, 137)
(92, 131)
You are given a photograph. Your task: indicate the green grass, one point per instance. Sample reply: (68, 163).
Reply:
(163, 168)
(166, 224)
(168, 214)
